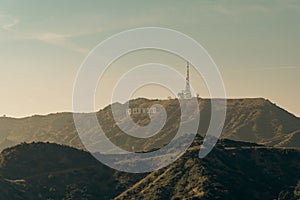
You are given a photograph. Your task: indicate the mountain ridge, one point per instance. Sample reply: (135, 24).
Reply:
(251, 119)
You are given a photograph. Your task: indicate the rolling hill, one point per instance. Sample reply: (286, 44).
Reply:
(251, 120)
(52, 171)
(231, 171)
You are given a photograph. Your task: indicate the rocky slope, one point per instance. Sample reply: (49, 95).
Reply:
(231, 171)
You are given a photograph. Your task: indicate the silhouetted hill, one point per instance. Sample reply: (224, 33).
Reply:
(51, 171)
(231, 171)
(251, 120)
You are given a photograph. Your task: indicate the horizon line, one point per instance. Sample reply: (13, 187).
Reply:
(99, 109)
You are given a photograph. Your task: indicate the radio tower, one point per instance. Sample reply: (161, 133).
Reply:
(186, 94)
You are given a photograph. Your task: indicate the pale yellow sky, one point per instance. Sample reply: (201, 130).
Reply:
(42, 45)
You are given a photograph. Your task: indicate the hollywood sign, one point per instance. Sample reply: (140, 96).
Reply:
(141, 110)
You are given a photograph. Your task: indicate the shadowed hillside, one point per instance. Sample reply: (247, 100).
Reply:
(231, 171)
(51, 171)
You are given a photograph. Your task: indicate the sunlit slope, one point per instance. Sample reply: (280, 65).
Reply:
(253, 120)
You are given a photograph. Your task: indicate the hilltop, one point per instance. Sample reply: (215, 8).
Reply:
(251, 120)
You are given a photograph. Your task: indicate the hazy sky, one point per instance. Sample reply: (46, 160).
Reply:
(255, 43)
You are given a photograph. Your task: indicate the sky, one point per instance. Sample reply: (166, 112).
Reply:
(255, 44)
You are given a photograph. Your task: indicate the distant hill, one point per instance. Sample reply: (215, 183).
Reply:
(260, 121)
(251, 120)
(231, 171)
(57, 128)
